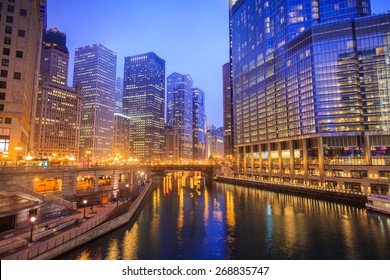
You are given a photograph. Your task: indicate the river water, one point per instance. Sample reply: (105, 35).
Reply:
(186, 216)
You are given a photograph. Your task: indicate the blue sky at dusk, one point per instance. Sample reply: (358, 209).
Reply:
(191, 35)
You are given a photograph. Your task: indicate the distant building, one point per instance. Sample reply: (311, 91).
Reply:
(179, 112)
(143, 102)
(227, 111)
(214, 143)
(199, 123)
(123, 144)
(58, 114)
(172, 144)
(119, 95)
(22, 27)
(95, 70)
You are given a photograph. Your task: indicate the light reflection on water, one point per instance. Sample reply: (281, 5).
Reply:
(185, 219)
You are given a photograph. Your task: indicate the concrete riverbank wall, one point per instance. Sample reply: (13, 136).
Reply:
(357, 199)
(85, 232)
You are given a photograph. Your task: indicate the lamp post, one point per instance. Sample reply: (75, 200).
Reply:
(85, 204)
(32, 220)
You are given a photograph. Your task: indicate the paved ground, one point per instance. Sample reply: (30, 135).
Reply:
(112, 210)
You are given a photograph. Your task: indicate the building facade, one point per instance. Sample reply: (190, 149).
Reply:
(21, 30)
(199, 124)
(119, 95)
(95, 70)
(214, 143)
(144, 103)
(172, 144)
(311, 93)
(123, 143)
(227, 111)
(179, 112)
(58, 114)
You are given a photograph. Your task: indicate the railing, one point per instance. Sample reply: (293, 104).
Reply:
(298, 185)
(17, 188)
(71, 235)
(58, 200)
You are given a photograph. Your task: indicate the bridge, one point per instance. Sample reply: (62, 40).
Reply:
(49, 190)
(67, 176)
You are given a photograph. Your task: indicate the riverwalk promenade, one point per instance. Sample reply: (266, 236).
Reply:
(54, 237)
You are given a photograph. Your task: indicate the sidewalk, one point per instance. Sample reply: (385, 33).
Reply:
(74, 226)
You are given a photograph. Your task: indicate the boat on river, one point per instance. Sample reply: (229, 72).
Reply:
(379, 203)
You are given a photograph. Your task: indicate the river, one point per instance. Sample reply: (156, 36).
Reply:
(187, 217)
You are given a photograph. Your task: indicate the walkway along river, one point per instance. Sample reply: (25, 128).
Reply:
(184, 217)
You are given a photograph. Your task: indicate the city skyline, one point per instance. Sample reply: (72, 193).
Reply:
(96, 167)
(202, 53)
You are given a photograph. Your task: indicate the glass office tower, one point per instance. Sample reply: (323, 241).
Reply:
(311, 93)
(227, 111)
(95, 70)
(144, 103)
(199, 124)
(179, 113)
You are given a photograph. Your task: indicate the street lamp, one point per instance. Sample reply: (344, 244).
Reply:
(85, 204)
(32, 220)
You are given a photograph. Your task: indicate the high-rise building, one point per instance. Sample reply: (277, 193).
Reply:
(143, 102)
(22, 26)
(55, 57)
(179, 112)
(311, 93)
(119, 95)
(58, 114)
(214, 143)
(172, 143)
(199, 123)
(95, 70)
(227, 111)
(123, 144)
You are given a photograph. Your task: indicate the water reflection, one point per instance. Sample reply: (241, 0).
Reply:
(184, 218)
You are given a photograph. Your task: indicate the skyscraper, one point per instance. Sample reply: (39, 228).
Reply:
(119, 95)
(179, 112)
(227, 111)
(143, 102)
(21, 31)
(199, 123)
(311, 93)
(58, 114)
(214, 143)
(123, 144)
(95, 70)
